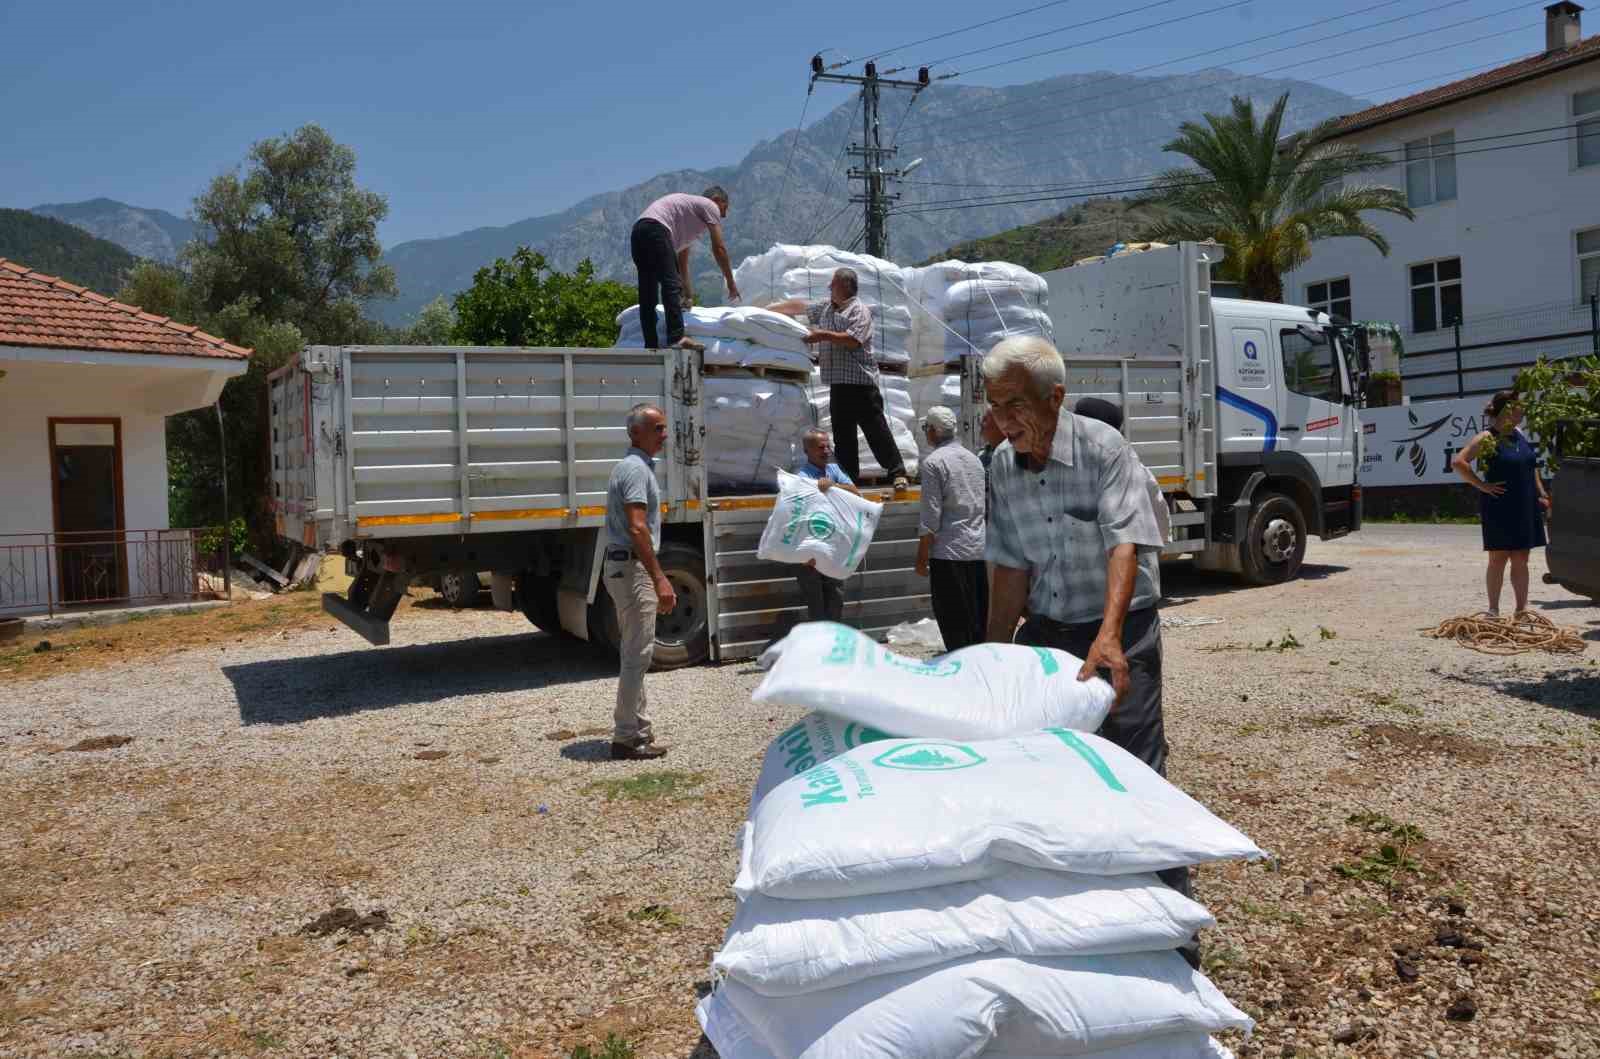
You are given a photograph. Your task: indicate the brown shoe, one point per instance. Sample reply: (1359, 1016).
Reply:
(644, 752)
(688, 343)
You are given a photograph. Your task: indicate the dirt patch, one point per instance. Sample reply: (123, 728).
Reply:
(346, 921)
(430, 755)
(102, 742)
(562, 735)
(1433, 742)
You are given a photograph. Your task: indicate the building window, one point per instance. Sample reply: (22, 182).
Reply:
(1586, 125)
(1308, 367)
(1435, 295)
(1331, 296)
(1431, 169)
(1588, 264)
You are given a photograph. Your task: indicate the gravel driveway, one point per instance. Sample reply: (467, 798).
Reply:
(154, 896)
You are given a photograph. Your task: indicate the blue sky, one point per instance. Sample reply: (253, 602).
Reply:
(478, 113)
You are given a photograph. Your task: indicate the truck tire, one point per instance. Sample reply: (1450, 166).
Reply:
(536, 598)
(683, 637)
(459, 589)
(1275, 541)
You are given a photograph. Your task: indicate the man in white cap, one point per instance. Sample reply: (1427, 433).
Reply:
(950, 552)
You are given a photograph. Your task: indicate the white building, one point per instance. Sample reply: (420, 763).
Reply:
(1503, 171)
(86, 384)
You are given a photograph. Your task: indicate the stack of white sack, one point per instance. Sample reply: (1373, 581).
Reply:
(734, 336)
(972, 307)
(985, 888)
(754, 427)
(787, 271)
(897, 409)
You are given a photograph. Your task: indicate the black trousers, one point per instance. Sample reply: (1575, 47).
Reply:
(1136, 724)
(852, 405)
(960, 600)
(824, 595)
(659, 281)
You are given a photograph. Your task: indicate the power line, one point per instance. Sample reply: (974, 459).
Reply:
(1046, 33)
(1258, 74)
(940, 205)
(963, 29)
(828, 187)
(1374, 91)
(798, 129)
(1210, 51)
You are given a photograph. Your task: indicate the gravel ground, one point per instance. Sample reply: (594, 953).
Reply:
(153, 895)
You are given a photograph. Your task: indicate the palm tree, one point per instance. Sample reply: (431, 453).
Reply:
(1267, 201)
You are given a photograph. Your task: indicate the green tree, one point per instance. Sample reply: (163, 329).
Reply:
(287, 253)
(1264, 199)
(434, 326)
(524, 302)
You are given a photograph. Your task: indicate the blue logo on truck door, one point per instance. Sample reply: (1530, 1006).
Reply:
(1250, 350)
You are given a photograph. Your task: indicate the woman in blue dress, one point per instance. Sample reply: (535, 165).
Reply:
(1514, 500)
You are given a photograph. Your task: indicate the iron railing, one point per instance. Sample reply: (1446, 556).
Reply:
(1482, 354)
(51, 572)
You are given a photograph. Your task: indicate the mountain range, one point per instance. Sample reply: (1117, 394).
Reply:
(1016, 144)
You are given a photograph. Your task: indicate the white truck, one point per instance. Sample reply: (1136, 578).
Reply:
(419, 461)
(1246, 412)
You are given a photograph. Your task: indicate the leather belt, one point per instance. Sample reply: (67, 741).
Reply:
(619, 555)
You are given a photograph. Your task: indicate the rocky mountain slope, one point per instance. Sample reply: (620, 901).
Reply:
(151, 233)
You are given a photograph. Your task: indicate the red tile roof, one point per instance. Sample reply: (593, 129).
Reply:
(1549, 62)
(50, 313)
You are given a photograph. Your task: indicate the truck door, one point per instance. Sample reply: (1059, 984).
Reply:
(1312, 417)
(1248, 412)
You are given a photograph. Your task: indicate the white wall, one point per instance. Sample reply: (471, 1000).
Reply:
(1513, 222)
(30, 394)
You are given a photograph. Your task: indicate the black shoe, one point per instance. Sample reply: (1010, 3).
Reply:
(644, 752)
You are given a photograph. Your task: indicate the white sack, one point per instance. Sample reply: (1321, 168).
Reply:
(738, 323)
(993, 1005)
(753, 427)
(985, 691)
(785, 948)
(742, 353)
(901, 814)
(814, 739)
(832, 528)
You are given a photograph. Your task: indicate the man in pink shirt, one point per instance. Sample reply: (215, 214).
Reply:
(661, 239)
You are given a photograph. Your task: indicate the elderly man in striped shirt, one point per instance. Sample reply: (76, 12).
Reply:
(842, 331)
(1076, 545)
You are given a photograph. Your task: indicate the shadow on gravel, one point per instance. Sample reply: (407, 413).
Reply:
(291, 690)
(590, 750)
(1181, 579)
(1576, 690)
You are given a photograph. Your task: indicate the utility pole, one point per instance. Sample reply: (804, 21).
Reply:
(870, 150)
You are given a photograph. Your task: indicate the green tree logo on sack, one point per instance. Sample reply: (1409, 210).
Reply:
(929, 757)
(818, 524)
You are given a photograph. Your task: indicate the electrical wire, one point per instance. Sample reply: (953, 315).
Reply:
(963, 29)
(1047, 33)
(973, 114)
(789, 165)
(828, 188)
(1297, 64)
(939, 205)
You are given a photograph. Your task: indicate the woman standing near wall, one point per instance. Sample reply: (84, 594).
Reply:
(1514, 500)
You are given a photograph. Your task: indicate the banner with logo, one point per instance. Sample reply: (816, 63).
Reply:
(1413, 444)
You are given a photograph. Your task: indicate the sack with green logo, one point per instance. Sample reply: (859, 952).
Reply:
(901, 814)
(833, 528)
(980, 692)
(786, 948)
(803, 746)
(1057, 1006)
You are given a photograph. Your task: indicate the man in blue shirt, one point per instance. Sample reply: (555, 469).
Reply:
(824, 595)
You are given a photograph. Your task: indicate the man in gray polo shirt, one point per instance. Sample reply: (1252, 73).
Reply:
(633, 577)
(950, 549)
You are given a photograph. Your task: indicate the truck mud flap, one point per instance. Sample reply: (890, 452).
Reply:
(373, 630)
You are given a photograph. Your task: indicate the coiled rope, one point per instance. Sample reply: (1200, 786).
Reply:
(1522, 632)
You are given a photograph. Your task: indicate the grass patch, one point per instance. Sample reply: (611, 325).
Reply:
(613, 1048)
(1289, 642)
(263, 1041)
(660, 915)
(1389, 702)
(1326, 633)
(1392, 858)
(1213, 960)
(1246, 730)
(648, 786)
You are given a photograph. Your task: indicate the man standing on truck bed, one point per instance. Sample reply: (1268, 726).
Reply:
(633, 577)
(842, 329)
(660, 242)
(1075, 542)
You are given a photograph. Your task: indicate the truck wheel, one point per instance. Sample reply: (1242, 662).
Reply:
(1275, 541)
(536, 598)
(683, 636)
(459, 589)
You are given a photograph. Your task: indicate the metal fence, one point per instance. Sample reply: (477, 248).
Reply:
(54, 572)
(1482, 354)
